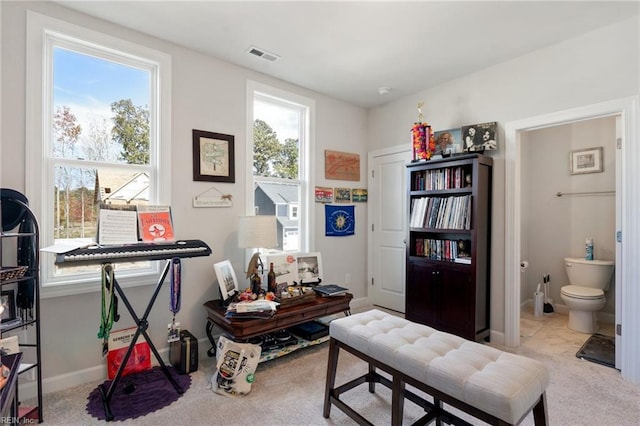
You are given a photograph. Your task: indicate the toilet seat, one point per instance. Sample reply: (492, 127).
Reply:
(584, 293)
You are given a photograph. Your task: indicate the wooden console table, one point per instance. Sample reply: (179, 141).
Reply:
(285, 317)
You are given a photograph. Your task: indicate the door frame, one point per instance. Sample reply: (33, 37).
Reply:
(627, 268)
(397, 149)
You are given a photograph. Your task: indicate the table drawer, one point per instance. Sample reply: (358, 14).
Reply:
(300, 317)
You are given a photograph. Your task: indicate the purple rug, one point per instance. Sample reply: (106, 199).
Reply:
(138, 394)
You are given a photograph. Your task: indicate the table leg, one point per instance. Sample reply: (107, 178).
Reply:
(211, 352)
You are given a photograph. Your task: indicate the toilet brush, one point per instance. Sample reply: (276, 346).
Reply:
(547, 308)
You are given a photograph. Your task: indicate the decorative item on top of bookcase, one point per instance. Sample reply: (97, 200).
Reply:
(448, 142)
(480, 137)
(422, 140)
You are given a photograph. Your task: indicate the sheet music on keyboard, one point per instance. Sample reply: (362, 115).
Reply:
(134, 252)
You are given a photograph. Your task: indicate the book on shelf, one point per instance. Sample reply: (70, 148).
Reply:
(328, 290)
(465, 260)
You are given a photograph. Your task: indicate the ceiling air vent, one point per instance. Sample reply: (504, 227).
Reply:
(261, 53)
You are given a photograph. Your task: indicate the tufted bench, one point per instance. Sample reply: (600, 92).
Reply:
(494, 386)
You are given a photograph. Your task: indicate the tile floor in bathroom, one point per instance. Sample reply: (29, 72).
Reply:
(551, 331)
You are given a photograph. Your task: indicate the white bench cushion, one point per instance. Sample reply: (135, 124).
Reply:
(499, 383)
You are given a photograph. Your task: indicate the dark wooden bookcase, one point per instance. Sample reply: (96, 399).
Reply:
(448, 244)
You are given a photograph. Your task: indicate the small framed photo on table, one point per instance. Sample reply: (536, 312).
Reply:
(227, 279)
(586, 161)
(309, 268)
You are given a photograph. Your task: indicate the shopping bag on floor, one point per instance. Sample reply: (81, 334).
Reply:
(236, 365)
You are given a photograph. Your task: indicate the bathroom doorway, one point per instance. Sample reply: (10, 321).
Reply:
(623, 111)
(560, 209)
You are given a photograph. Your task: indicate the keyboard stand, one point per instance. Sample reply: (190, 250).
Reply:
(142, 329)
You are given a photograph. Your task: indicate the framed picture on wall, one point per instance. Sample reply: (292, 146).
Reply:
(213, 157)
(586, 161)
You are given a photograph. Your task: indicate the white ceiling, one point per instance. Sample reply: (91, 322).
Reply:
(348, 50)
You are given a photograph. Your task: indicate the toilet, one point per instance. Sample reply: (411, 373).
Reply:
(584, 296)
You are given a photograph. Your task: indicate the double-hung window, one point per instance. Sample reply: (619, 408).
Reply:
(278, 167)
(97, 133)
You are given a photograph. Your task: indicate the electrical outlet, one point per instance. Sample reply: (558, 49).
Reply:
(347, 278)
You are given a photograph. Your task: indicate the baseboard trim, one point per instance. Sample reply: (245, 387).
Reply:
(28, 389)
(603, 317)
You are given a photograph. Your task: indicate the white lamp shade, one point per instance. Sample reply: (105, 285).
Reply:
(257, 232)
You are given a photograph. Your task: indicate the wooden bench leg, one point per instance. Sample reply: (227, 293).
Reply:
(437, 405)
(397, 401)
(372, 383)
(332, 366)
(540, 411)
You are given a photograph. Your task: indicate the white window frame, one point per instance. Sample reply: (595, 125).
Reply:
(307, 146)
(42, 33)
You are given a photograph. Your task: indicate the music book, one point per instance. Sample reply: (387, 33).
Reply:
(155, 223)
(330, 290)
(117, 224)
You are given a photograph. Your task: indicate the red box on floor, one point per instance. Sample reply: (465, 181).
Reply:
(140, 358)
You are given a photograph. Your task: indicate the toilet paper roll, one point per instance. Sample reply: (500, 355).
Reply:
(523, 265)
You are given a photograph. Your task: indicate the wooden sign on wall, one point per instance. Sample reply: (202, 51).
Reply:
(341, 165)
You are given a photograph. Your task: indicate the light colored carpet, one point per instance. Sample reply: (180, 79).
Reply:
(290, 391)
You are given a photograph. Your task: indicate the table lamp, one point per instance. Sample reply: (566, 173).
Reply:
(257, 232)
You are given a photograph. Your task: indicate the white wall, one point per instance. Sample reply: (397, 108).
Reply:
(556, 227)
(599, 66)
(207, 94)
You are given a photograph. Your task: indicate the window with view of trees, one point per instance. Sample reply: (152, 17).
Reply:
(280, 172)
(102, 138)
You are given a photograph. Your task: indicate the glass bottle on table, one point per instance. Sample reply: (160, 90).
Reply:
(256, 282)
(271, 279)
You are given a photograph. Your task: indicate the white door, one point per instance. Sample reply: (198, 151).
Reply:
(388, 226)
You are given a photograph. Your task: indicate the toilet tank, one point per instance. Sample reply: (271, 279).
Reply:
(589, 273)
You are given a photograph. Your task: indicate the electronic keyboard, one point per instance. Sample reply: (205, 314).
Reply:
(134, 252)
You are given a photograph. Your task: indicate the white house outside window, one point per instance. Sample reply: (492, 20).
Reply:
(98, 114)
